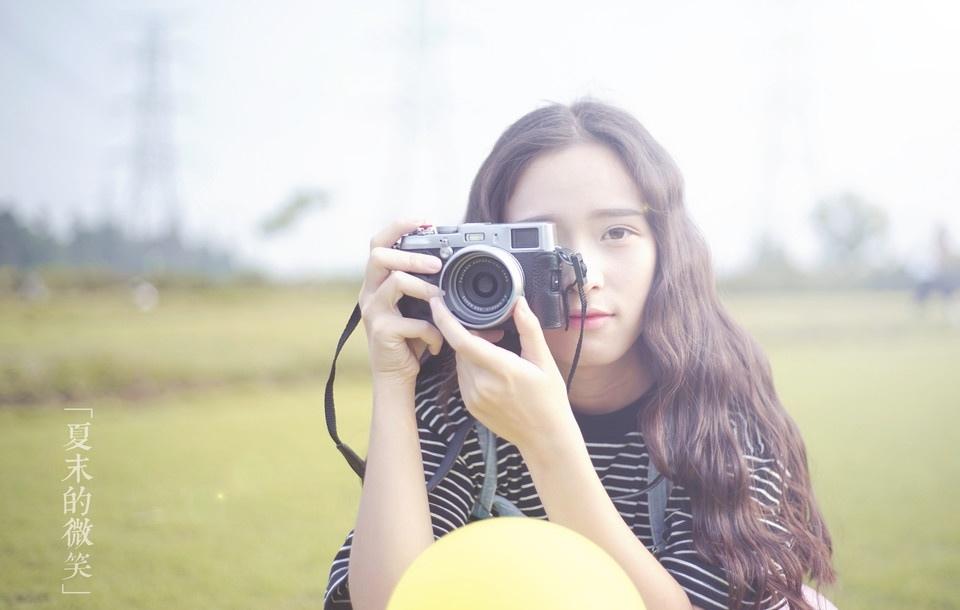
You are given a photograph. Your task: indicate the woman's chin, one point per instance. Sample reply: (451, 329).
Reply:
(590, 355)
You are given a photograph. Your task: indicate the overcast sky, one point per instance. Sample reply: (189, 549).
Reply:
(391, 106)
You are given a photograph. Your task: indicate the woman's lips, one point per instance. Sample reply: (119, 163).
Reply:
(591, 321)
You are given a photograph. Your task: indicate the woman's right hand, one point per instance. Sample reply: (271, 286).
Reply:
(396, 343)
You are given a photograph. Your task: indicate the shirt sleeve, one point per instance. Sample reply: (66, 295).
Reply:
(705, 583)
(450, 501)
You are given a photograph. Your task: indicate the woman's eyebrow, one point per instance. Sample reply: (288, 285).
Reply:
(596, 213)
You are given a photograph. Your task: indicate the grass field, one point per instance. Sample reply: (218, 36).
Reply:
(216, 486)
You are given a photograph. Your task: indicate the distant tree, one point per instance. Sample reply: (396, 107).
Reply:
(106, 246)
(943, 275)
(848, 226)
(100, 245)
(23, 246)
(769, 268)
(771, 256)
(292, 211)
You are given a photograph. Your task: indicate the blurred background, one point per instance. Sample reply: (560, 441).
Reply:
(187, 193)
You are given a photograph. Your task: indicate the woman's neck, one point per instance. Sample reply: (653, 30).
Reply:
(608, 387)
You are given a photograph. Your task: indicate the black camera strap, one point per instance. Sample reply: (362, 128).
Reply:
(358, 465)
(580, 271)
(355, 461)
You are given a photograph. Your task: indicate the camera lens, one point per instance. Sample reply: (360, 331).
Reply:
(484, 284)
(481, 284)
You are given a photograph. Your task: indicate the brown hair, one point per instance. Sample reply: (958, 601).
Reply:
(709, 374)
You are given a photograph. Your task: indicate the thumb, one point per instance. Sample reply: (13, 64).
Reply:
(533, 346)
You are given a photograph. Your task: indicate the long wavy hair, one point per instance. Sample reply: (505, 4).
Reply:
(709, 374)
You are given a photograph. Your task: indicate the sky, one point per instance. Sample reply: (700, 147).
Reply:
(391, 106)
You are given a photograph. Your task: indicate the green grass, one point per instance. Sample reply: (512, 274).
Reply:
(83, 345)
(226, 498)
(231, 494)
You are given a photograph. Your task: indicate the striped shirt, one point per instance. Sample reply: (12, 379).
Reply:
(620, 459)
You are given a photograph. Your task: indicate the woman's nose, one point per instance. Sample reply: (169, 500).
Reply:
(594, 278)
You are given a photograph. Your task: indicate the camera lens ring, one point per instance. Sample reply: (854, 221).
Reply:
(488, 264)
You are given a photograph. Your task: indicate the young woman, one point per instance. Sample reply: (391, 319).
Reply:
(664, 375)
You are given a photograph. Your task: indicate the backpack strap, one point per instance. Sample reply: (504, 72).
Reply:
(488, 500)
(657, 506)
(456, 444)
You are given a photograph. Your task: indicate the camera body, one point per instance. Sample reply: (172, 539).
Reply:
(486, 267)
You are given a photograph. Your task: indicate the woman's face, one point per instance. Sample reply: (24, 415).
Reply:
(597, 208)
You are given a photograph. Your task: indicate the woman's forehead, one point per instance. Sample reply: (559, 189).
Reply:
(589, 213)
(578, 182)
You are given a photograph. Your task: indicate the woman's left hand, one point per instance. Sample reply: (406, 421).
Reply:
(522, 399)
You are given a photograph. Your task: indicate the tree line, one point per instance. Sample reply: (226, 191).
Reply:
(105, 245)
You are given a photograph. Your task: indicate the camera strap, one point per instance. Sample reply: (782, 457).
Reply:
(357, 463)
(575, 260)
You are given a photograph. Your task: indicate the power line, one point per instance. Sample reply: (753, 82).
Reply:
(154, 193)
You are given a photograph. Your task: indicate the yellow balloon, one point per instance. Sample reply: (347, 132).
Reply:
(514, 563)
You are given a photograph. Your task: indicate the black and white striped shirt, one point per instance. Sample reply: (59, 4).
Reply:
(620, 459)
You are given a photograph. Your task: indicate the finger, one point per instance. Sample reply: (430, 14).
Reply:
(533, 345)
(418, 347)
(384, 260)
(396, 286)
(390, 234)
(460, 339)
(412, 328)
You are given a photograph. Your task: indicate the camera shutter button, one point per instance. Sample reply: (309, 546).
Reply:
(446, 251)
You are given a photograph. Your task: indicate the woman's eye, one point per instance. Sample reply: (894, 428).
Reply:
(620, 233)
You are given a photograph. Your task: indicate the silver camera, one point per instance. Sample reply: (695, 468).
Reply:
(487, 267)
